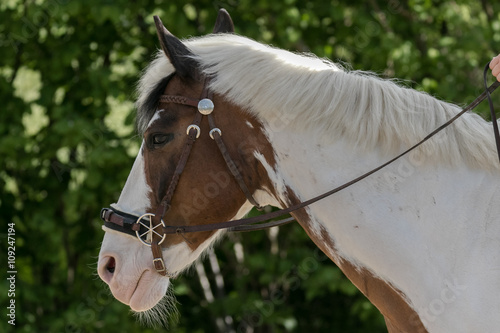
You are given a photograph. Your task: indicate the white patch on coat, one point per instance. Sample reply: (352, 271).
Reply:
(134, 198)
(429, 230)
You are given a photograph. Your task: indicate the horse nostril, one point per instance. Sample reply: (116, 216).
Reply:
(110, 266)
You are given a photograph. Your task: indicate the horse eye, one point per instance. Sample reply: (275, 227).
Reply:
(159, 139)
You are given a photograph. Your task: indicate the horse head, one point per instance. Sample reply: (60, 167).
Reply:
(196, 166)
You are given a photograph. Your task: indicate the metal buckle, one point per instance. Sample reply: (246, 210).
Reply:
(213, 131)
(161, 263)
(196, 127)
(150, 230)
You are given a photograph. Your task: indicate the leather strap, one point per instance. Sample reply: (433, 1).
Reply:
(128, 223)
(261, 226)
(179, 100)
(248, 224)
(492, 110)
(164, 205)
(281, 212)
(121, 221)
(216, 135)
(186, 151)
(158, 262)
(165, 202)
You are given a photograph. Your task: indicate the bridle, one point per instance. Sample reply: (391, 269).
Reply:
(151, 229)
(153, 233)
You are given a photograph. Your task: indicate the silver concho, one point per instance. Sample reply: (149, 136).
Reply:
(205, 106)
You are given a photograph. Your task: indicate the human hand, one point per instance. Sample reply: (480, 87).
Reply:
(495, 67)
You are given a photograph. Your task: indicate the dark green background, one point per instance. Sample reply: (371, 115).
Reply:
(67, 142)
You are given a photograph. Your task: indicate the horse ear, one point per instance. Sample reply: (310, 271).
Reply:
(178, 54)
(223, 23)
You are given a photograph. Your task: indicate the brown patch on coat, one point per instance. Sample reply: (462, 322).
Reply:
(390, 301)
(206, 192)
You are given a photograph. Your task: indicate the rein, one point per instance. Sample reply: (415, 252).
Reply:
(155, 230)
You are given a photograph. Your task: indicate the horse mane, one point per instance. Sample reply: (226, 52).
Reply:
(307, 93)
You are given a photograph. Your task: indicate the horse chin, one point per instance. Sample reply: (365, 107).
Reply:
(150, 290)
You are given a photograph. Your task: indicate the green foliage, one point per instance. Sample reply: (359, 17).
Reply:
(67, 76)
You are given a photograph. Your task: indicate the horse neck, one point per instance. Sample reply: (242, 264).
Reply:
(412, 224)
